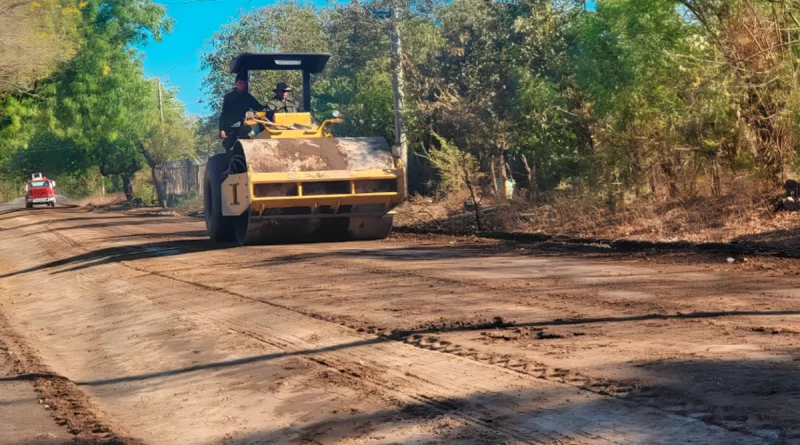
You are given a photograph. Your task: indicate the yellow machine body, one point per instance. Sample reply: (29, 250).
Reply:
(289, 126)
(294, 177)
(292, 181)
(240, 194)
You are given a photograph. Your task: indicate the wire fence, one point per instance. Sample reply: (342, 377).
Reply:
(183, 179)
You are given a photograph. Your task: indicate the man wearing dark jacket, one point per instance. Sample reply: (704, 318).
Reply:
(234, 106)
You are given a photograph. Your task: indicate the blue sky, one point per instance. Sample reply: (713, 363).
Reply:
(195, 22)
(177, 57)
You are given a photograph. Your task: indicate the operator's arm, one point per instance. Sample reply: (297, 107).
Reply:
(271, 107)
(255, 105)
(222, 113)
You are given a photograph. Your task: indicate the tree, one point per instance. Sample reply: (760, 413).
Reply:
(94, 101)
(165, 140)
(755, 44)
(622, 59)
(34, 38)
(285, 27)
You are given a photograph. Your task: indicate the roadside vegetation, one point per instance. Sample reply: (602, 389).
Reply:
(603, 115)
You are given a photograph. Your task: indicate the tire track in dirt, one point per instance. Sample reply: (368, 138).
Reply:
(518, 365)
(416, 388)
(68, 405)
(364, 375)
(630, 390)
(438, 385)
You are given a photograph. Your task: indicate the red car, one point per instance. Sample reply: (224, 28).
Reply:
(40, 190)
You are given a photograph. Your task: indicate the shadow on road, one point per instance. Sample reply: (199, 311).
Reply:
(527, 416)
(125, 253)
(401, 335)
(780, 243)
(7, 212)
(228, 363)
(424, 253)
(750, 397)
(59, 220)
(756, 395)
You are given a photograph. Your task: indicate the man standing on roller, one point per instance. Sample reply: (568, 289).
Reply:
(234, 106)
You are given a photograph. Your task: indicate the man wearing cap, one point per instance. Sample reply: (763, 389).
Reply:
(234, 106)
(281, 102)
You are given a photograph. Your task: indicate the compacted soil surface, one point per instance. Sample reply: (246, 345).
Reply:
(135, 329)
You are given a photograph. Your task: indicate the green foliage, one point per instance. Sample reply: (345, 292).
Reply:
(34, 37)
(365, 101)
(642, 96)
(143, 189)
(457, 169)
(174, 138)
(543, 131)
(78, 185)
(96, 113)
(290, 26)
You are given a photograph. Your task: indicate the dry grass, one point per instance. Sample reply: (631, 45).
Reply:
(698, 219)
(452, 213)
(746, 212)
(98, 200)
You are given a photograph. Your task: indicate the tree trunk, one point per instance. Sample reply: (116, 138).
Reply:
(652, 179)
(503, 175)
(531, 169)
(127, 186)
(716, 186)
(495, 187)
(158, 184)
(398, 84)
(473, 195)
(668, 169)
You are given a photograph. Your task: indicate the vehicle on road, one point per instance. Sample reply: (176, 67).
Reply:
(291, 180)
(40, 190)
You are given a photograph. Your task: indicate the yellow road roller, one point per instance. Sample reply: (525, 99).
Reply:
(291, 181)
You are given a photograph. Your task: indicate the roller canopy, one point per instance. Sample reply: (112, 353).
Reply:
(307, 62)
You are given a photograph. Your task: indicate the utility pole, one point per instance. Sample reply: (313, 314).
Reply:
(398, 82)
(160, 105)
(163, 179)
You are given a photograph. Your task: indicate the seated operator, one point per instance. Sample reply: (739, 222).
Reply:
(281, 102)
(234, 107)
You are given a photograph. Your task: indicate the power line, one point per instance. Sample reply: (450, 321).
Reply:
(185, 59)
(189, 2)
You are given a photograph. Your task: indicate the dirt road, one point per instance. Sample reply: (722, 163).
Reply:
(138, 329)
